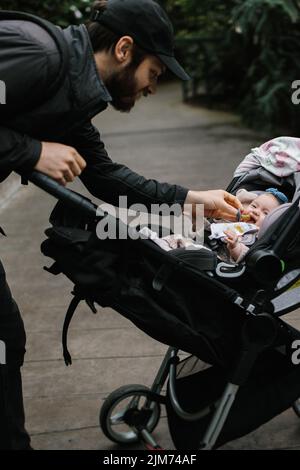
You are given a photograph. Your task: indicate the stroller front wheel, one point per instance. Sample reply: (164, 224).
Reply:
(296, 407)
(125, 410)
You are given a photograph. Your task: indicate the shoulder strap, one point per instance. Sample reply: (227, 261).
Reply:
(56, 33)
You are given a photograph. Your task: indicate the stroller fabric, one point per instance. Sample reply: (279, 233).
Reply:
(160, 296)
(280, 156)
(272, 387)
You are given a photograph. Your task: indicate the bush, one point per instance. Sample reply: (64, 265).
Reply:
(270, 34)
(61, 12)
(247, 52)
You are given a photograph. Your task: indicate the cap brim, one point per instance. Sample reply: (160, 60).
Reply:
(172, 64)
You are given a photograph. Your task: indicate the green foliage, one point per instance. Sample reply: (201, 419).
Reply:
(270, 33)
(192, 17)
(61, 12)
(246, 52)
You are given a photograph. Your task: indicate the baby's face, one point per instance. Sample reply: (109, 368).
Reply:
(260, 207)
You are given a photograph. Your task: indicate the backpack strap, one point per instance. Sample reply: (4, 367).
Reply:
(57, 35)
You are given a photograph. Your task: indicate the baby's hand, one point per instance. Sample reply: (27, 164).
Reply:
(231, 239)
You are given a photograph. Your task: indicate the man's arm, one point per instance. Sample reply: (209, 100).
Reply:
(17, 152)
(29, 62)
(108, 180)
(23, 68)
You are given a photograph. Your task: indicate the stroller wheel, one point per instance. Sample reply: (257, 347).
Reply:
(296, 407)
(126, 409)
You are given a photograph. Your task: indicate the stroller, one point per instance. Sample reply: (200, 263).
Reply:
(241, 367)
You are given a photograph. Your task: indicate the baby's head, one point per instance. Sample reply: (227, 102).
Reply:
(263, 204)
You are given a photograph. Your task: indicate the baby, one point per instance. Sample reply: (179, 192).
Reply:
(255, 213)
(255, 209)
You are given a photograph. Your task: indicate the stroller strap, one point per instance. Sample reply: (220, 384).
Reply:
(69, 315)
(78, 297)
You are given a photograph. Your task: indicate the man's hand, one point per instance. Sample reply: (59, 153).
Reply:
(218, 204)
(60, 162)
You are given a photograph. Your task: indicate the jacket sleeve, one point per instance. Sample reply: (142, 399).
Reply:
(17, 152)
(108, 180)
(24, 70)
(243, 251)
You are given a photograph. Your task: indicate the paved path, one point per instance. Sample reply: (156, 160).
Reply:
(161, 138)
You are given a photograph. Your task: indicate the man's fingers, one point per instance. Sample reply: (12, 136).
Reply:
(80, 161)
(76, 170)
(232, 200)
(62, 181)
(229, 216)
(68, 175)
(228, 209)
(61, 162)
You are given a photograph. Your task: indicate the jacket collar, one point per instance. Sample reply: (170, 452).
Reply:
(87, 85)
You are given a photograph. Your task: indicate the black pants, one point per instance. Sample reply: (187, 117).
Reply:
(12, 336)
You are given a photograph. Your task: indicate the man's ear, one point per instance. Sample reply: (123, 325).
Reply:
(123, 50)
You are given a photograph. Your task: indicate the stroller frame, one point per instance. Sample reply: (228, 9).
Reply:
(250, 351)
(142, 422)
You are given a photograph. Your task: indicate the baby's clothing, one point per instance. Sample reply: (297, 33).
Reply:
(246, 232)
(246, 197)
(243, 252)
(171, 242)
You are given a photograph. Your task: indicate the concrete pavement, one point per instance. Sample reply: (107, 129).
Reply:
(164, 139)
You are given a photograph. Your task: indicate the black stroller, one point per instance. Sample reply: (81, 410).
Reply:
(242, 367)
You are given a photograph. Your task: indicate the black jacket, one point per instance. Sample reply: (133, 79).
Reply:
(29, 62)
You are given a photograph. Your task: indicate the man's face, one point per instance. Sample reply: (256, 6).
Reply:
(128, 85)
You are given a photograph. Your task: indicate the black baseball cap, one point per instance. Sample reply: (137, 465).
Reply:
(149, 26)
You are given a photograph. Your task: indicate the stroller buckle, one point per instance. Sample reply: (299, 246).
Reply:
(230, 270)
(239, 301)
(251, 309)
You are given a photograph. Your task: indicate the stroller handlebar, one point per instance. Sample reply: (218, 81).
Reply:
(69, 197)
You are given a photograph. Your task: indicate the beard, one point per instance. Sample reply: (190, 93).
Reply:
(122, 87)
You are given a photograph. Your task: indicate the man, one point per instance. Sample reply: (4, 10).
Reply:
(116, 58)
